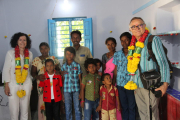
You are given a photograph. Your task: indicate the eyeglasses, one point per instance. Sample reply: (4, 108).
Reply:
(138, 26)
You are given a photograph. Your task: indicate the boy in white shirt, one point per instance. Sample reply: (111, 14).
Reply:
(52, 93)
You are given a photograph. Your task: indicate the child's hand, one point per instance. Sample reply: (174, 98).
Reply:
(98, 108)
(41, 77)
(118, 108)
(82, 104)
(63, 72)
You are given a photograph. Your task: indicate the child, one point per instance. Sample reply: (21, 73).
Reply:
(72, 81)
(99, 65)
(108, 98)
(51, 94)
(90, 90)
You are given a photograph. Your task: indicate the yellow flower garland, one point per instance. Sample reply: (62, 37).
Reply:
(133, 61)
(21, 93)
(130, 85)
(21, 76)
(134, 58)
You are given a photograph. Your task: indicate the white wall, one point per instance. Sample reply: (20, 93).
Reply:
(30, 16)
(3, 27)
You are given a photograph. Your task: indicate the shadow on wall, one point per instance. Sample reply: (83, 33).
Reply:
(34, 52)
(176, 76)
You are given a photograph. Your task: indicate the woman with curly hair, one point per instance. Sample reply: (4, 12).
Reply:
(16, 76)
(37, 72)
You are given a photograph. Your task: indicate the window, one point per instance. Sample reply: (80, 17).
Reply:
(59, 34)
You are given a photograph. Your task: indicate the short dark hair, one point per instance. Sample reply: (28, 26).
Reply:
(98, 61)
(77, 32)
(89, 61)
(111, 39)
(134, 18)
(49, 60)
(15, 38)
(71, 50)
(103, 76)
(127, 34)
(44, 44)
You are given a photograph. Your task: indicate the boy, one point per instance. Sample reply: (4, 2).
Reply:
(121, 77)
(82, 52)
(72, 81)
(90, 86)
(51, 94)
(99, 65)
(108, 98)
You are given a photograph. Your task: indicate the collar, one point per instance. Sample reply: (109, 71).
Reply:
(78, 48)
(92, 74)
(54, 76)
(122, 52)
(146, 41)
(110, 88)
(70, 64)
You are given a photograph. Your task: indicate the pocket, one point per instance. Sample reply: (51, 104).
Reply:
(82, 58)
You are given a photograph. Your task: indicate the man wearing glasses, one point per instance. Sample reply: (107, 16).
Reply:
(137, 27)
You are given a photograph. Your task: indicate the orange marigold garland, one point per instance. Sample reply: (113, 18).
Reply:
(21, 76)
(134, 55)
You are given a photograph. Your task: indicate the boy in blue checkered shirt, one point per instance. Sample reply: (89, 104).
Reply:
(72, 81)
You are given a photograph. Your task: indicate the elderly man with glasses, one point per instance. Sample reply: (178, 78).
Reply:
(137, 27)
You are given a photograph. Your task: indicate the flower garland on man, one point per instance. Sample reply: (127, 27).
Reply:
(134, 56)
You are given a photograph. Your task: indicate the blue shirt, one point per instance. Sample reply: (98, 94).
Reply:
(121, 61)
(146, 65)
(71, 77)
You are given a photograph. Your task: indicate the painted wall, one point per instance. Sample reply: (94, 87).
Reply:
(31, 17)
(4, 42)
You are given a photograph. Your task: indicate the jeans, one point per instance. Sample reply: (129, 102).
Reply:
(90, 109)
(128, 103)
(52, 110)
(72, 97)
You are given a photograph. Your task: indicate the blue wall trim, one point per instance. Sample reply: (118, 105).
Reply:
(144, 6)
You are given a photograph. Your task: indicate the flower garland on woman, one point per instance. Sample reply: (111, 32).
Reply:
(21, 76)
(134, 55)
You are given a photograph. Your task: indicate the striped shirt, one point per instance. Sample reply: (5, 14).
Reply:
(146, 65)
(71, 77)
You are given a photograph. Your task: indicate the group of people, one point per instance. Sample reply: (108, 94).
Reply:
(96, 94)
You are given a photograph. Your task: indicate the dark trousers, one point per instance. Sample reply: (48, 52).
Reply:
(52, 110)
(128, 103)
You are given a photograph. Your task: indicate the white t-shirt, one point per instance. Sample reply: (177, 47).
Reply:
(51, 82)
